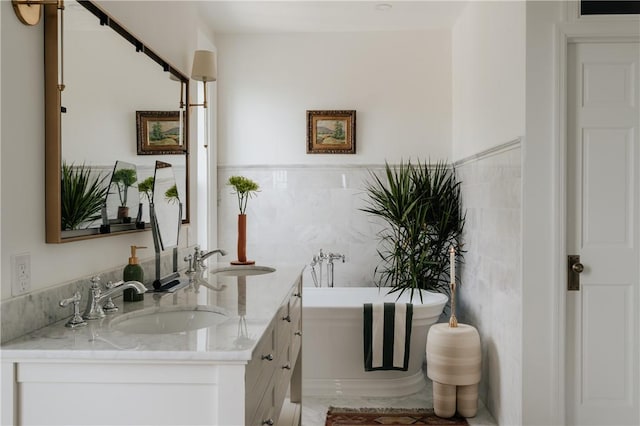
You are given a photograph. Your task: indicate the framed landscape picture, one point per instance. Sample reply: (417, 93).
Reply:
(160, 132)
(331, 132)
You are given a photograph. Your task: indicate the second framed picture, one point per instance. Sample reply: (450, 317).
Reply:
(160, 132)
(331, 132)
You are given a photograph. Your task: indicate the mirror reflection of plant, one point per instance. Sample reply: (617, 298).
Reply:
(145, 188)
(421, 205)
(245, 188)
(171, 195)
(124, 178)
(82, 195)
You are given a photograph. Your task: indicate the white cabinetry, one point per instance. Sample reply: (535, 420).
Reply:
(159, 387)
(276, 364)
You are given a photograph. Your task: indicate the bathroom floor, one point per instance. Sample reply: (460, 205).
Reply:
(314, 408)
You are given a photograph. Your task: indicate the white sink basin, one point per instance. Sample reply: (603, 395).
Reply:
(170, 319)
(242, 270)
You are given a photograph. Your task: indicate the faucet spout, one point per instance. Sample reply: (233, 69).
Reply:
(211, 253)
(97, 296)
(136, 285)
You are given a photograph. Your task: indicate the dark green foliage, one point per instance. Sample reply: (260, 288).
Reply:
(245, 188)
(171, 195)
(82, 195)
(422, 209)
(146, 187)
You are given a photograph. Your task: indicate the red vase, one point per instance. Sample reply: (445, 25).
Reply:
(242, 242)
(242, 238)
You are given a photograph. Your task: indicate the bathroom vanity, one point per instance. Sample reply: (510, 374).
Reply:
(224, 350)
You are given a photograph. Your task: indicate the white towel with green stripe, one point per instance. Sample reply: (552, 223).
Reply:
(387, 336)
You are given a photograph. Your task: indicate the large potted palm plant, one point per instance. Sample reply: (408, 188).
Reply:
(421, 209)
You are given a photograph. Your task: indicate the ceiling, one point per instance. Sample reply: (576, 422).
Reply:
(328, 16)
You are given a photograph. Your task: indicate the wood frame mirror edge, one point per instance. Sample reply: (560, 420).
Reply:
(53, 129)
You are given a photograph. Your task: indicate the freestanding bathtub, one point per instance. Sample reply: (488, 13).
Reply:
(332, 352)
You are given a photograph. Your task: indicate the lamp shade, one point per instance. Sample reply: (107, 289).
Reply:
(204, 66)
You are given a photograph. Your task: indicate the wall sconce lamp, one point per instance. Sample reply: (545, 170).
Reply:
(204, 69)
(29, 11)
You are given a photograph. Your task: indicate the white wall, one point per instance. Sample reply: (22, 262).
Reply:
(398, 82)
(488, 76)
(23, 146)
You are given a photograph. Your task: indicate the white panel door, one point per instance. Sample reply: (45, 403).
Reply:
(602, 227)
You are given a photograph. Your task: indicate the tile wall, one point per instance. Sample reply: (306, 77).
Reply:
(300, 210)
(490, 292)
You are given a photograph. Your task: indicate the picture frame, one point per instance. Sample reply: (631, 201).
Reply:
(160, 132)
(331, 132)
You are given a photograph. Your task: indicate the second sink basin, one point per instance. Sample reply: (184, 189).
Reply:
(169, 319)
(242, 270)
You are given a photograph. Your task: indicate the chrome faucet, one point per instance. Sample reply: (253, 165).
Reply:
(332, 257)
(199, 257)
(319, 260)
(94, 308)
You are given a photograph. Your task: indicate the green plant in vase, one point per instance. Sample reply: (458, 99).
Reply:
(244, 188)
(420, 205)
(124, 179)
(82, 196)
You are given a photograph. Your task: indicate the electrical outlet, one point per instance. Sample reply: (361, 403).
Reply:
(20, 274)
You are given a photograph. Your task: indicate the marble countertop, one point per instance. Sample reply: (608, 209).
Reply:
(251, 300)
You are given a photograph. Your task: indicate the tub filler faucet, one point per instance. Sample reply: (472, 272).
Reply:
(318, 260)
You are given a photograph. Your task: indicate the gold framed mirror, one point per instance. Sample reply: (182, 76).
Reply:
(84, 125)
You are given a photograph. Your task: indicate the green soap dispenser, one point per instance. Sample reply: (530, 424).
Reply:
(133, 272)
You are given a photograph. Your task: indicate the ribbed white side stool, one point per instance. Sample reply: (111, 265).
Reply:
(454, 365)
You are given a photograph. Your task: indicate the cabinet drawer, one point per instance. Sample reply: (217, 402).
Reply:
(259, 370)
(284, 326)
(296, 327)
(266, 408)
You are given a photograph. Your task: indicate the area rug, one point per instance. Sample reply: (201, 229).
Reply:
(388, 416)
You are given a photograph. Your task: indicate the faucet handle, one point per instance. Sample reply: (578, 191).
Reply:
(95, 282)
(111, 284)
(109, 306)
(189, 260)
(76, 320)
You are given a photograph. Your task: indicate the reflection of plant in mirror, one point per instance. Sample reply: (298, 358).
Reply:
(172, 195)
(146, 188)
(124, 178)
(82, 195)
(245, 188)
